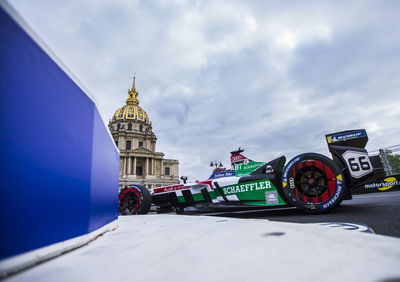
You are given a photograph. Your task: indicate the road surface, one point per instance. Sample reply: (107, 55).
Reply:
(380, 211)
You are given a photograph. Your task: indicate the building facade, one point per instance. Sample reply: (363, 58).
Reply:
(133, 134)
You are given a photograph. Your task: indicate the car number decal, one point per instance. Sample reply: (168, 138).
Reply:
(358, 163)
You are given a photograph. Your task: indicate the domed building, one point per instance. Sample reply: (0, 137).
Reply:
(133, 134)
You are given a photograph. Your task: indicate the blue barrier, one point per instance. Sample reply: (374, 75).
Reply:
(59, 165)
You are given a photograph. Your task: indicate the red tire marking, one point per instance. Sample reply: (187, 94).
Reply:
(317, 199)
(325, 196)
(331, 180)
(306, 198)
(313, 199)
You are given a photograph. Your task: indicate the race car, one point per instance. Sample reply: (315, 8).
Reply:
(311, 182)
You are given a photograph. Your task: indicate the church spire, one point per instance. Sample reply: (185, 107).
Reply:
(134, 84)
(133, 94)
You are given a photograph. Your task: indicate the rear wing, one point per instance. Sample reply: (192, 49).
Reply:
(350, 138)
(237, 157)
(349, 153)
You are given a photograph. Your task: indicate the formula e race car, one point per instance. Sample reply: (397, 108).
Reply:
(311, 182)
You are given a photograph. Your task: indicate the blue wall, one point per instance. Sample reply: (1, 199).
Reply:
(59, 166)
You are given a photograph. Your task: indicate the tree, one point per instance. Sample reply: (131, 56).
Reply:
(394, 161)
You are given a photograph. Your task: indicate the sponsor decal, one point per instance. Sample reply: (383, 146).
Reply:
(346, 136)
(250, 166)
(311, 206)
(247, 187)
(271, 197)
(291, 182)
(237, 158)
(287, 169)
(289, 166)
(339, 187)
(222, 174)
(358, 227)
(388, 183)
(169, 188)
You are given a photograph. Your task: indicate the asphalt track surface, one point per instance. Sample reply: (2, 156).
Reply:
(380, 211)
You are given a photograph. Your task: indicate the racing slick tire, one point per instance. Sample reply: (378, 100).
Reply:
(313, 183)
(134, 200)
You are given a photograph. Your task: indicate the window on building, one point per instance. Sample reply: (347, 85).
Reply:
(118, 126)
(141, 128)
(116, 143)
(167, 171)
(128, 145)
(129, 126)
(140, 144)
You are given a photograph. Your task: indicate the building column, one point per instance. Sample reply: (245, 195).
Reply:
(150, 167)
(153, 166)
(162, 168)
(124, 168)
(134, 166)
(129, 165)
(147, 166)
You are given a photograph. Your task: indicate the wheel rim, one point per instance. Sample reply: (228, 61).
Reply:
(311, 181)
(314, 181)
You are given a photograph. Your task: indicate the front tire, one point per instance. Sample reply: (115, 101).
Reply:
(134, 200)
(313, 183)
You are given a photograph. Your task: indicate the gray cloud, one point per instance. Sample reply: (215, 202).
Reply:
(271, 76)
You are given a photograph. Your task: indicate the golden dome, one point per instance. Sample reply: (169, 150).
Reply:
(131, 111)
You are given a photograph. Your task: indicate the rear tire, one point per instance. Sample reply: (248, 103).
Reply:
(134, 200)
(313, 183)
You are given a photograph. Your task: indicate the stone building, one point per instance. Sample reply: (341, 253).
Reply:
(131, 129)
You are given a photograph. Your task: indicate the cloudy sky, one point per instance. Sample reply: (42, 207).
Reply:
(271, 76)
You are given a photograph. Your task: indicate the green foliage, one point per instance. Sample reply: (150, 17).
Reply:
(394, 161)
(392, 158)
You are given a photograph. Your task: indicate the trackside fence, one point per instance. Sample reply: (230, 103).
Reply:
(390, 159)
(388, 173)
